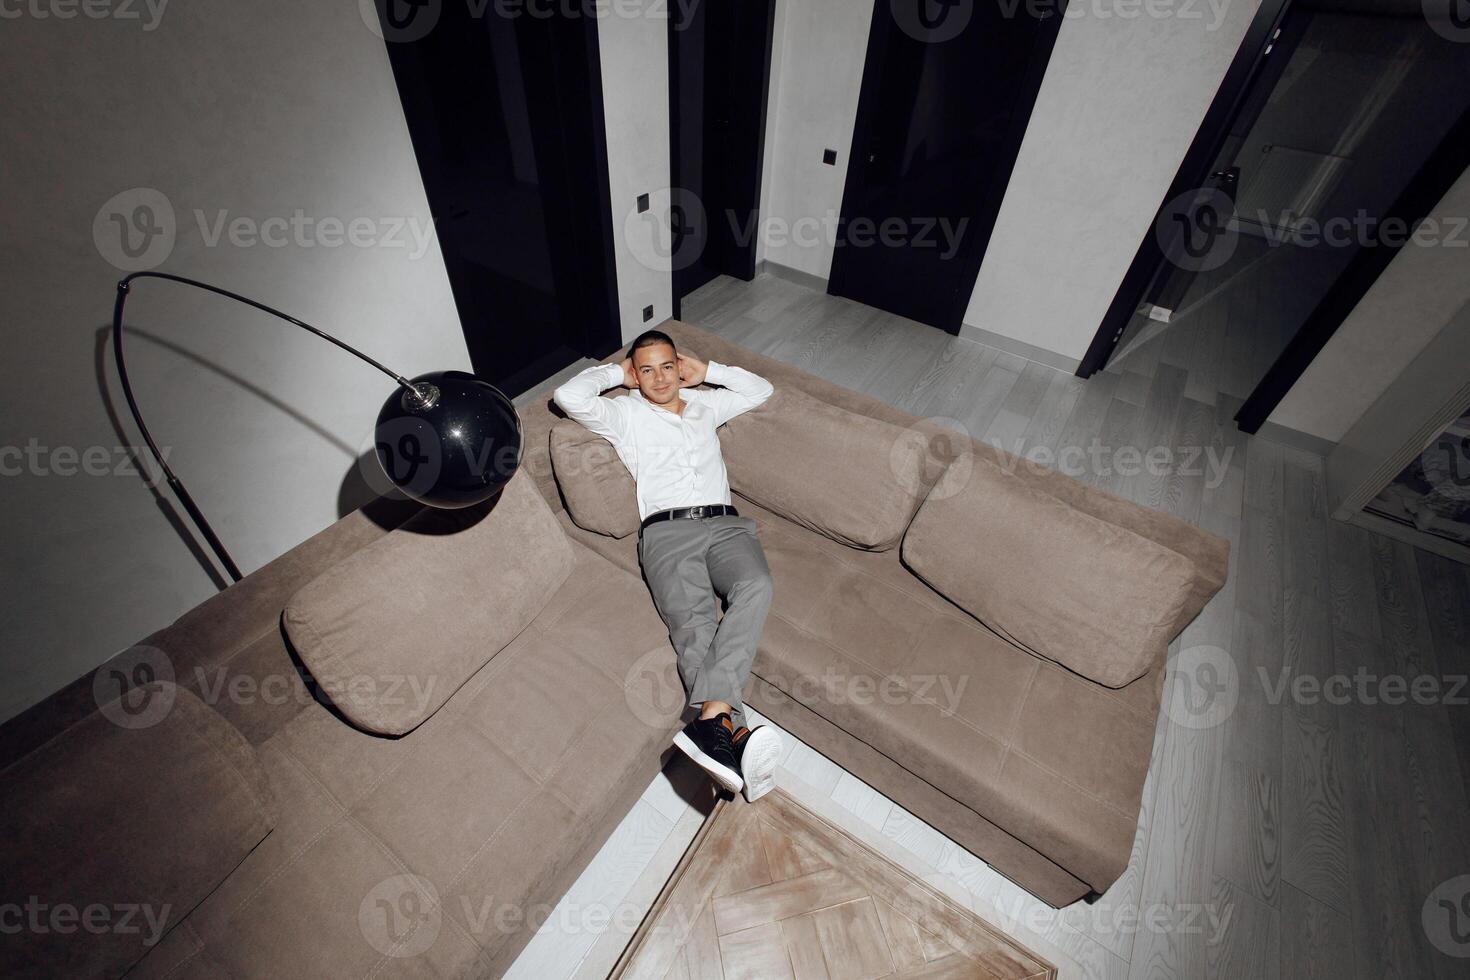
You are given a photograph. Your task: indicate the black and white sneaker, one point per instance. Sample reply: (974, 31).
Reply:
(757, 751)
(707, 742)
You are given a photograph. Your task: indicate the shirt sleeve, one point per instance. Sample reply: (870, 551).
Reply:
(740, 390)
(581, 398)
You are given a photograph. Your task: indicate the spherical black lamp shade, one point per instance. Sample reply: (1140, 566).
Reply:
(454, 445)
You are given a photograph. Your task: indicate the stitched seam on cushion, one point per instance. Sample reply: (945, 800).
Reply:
(860, 660)
(228, 762)
(397, 861)
(968, 620)
(540, 788)
(311, 775)
(955, 717)
(493, 836)
(1021, 753)
(198, 948)
(300, 852)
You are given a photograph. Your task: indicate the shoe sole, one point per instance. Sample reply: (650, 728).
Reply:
(723, 774)
(762, 753)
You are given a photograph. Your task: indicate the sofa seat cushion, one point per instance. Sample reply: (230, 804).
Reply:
(137, 812)
(600, 494)
(393, 630)
(1051, 758)
(1091, 595)
(439, 852)
(851, 477)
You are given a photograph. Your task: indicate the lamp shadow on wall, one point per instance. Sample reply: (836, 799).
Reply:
(385, 506)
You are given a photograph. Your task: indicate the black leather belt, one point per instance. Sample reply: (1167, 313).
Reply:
(702, 510)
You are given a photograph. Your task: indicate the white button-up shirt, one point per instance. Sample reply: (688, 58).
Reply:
(675, 459)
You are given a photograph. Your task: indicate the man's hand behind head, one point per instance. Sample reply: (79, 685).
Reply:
(691, 371)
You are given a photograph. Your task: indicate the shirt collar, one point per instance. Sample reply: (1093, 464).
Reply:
(689, 404)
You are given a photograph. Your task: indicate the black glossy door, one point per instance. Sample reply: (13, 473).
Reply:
(948, 87)
(719, 70)
(505, 113)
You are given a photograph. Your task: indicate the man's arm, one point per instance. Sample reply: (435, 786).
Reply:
(581, 398)
(740, 390)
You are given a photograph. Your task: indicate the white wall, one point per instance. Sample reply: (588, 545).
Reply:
(1416, 297)
(258, 110)
(813, 106)
(633, 38)
(1120, 103)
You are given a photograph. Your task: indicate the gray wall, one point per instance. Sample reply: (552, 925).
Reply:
(1120, 103)
(258, 111)
(632, 36)
(817, 73)
(1415, 299)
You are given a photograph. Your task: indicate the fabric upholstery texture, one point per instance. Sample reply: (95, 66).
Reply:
(600, 493)
(1037, 769)
(435, 852)
(1094, 597)
(855, 479)
(396, 628)
(439, 852)
(135, 814)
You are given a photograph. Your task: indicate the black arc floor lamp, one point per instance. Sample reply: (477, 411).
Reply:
(446, 439)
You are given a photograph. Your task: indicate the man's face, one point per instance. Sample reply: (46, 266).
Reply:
(658, 373)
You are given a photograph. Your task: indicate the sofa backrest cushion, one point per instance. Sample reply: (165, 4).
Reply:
(140, 810)
(850, 477)
(600, 493)
(394, 629)
(1095, 597)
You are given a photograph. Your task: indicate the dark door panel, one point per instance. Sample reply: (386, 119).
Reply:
(947, 91)
(719, 69)
(505, 114)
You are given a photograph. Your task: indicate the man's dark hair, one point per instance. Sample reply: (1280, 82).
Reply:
(649, 338)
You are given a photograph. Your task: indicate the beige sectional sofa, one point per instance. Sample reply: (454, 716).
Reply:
(979, 638)
(390, 751)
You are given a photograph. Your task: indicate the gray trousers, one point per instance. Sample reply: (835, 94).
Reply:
(686, 561)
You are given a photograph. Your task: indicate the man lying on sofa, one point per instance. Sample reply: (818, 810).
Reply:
(692, 543)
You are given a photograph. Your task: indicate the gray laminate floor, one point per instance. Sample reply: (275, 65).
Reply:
(1303, 804)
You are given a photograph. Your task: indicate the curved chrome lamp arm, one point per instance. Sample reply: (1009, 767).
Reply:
(175, 484)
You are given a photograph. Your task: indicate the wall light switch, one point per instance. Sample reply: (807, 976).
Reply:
(642, 203)
(829, 157)
(647, 313)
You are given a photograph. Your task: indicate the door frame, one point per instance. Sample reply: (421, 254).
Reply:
(1199, 161)
(1446, 164)
(989, 211)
